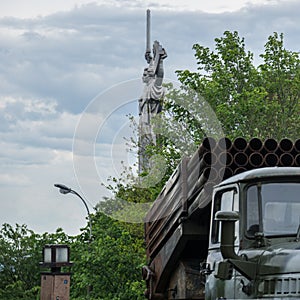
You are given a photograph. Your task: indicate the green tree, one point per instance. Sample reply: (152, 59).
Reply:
(111, 264)
(248, 100)
(280, 74)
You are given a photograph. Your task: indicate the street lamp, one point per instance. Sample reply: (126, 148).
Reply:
(66, 190)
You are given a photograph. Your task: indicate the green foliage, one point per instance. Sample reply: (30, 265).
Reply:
(111, 264)
(280, 74)
(249, 101)
(17, 290)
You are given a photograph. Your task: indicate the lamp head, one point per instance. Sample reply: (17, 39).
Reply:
(63, 189)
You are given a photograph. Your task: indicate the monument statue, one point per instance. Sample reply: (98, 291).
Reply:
(150, 103)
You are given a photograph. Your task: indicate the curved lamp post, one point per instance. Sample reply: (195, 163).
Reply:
(66, 190)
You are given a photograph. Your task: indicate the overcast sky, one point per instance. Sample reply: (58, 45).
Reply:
(64, 61)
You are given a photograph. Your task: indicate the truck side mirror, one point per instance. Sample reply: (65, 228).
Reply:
(227, 219)
(224, 271)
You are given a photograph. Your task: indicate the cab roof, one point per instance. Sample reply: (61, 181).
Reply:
(261, 173)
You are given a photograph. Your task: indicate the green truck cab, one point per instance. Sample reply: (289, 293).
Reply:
(254, 248)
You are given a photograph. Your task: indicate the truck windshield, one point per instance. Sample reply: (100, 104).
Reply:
(273, 208)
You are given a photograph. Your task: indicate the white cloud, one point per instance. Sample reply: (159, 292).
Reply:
(15, 181)
(36, 8)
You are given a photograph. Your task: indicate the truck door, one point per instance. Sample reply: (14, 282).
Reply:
(225, 199)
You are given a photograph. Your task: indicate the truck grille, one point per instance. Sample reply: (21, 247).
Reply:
(281, 287)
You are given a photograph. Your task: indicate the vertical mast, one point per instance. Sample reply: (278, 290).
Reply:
(148, 49)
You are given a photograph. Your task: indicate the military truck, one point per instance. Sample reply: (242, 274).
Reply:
(227, 224)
